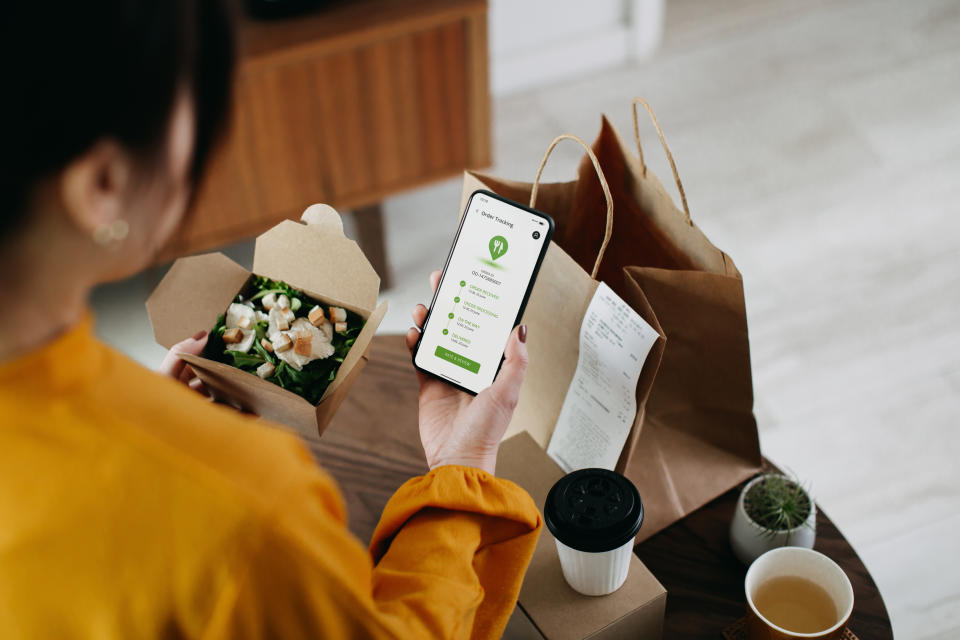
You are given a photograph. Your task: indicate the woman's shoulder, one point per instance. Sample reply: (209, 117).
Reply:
(129, 474)
(167, 420)
(64, 403)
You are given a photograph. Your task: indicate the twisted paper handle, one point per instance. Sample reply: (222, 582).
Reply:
(663, 141)
(603, 184)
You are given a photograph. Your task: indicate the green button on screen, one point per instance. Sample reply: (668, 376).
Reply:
(457, 359)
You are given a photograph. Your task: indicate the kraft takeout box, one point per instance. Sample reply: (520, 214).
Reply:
(312, 255)
(635, 610)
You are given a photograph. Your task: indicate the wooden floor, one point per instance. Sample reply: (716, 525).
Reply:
(819, 143)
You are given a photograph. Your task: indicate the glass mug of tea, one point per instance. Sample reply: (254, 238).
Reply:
(796, 593)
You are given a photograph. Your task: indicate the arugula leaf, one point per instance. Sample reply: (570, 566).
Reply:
(215, 345)
(243, 360)
(266, 285)
(266, 355)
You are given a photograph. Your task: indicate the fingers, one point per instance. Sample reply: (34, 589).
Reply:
(195, 345)
(506, 388)
(419, 315)
(197, 385)
(172, 365)
(411, 338)
(186, 375)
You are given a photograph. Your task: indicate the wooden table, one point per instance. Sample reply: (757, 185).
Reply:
(372, 447)
(347, 105)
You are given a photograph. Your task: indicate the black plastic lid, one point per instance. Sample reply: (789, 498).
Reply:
(593, 510)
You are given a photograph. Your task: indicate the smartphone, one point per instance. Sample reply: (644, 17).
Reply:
(483, 291)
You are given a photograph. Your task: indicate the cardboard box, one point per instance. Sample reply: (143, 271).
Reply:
(634, 611)
(312, 255)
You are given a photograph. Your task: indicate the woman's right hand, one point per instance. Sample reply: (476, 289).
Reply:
(460, 429)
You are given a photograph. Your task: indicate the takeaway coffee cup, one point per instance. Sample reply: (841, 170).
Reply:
(594, 515)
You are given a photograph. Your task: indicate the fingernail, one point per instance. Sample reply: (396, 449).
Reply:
(522, 334)
(199, 335)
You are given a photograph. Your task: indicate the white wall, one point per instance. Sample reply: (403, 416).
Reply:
(534, 42)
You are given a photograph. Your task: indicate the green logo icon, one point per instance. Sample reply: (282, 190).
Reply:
(498, 246)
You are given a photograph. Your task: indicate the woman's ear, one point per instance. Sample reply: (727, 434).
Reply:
(94, 186)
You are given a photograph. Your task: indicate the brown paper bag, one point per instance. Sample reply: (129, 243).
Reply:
(695, 435)
(558, 303)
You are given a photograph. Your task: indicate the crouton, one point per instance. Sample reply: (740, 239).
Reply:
(233, 336)
(269, 300)
(282, 343)
(338, 314)
(283, 302)
(267, 345)
(315, 316)
(304, 344)
(265, 370)
(279, 318)
(244, 323)
(340, 327)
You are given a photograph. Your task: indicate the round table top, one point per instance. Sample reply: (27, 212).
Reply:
(372, 447)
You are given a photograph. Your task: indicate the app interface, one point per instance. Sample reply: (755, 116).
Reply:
(481, 292)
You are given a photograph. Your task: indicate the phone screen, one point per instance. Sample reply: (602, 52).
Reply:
(483, 290)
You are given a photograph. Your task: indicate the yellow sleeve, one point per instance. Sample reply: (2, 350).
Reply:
(446, 561)
(455, 530)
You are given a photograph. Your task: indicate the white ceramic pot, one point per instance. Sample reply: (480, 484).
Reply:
(749, 540)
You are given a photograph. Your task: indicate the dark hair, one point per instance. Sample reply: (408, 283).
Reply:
(75, 72)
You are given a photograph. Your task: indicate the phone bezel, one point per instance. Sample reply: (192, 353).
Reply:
(443, 274)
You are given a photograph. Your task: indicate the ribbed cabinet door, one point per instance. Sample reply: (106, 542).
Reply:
(347, 121)
(393, 113)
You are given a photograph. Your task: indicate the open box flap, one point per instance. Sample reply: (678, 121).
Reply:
(193, 293)
(240, 379)
(261, 398)
(315, 256)
(359, 348)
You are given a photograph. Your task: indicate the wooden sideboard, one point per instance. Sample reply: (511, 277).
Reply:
(346, 105)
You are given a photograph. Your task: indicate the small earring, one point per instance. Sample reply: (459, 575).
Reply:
(110, 234)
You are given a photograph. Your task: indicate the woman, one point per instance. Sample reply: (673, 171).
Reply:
(131, 507)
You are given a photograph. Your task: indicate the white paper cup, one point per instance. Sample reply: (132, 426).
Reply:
(594, 516)
(595, 574)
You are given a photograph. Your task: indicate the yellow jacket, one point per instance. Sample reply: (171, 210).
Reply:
(132, 508)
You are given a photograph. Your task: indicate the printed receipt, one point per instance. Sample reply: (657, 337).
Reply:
(601, 402)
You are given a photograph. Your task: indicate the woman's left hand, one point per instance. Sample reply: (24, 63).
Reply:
(457, 428)
(174, 367)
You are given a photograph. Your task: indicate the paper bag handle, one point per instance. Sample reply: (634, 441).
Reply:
(603, 184)
(663, 141)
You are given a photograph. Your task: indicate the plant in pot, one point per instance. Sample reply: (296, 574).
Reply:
(773, 511)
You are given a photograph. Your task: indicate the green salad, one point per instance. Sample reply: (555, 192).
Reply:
(285, 337)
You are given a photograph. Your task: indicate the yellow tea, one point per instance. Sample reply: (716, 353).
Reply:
(795, 604)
